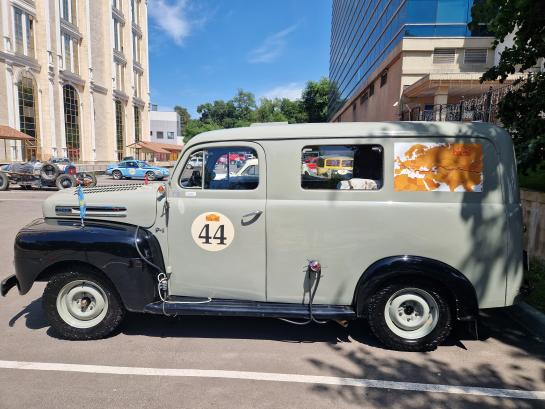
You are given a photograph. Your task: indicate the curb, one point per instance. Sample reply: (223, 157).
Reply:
(530, 318)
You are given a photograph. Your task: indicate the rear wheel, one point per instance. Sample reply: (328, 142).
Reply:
(117, 175)
(4, 181)
(65, 182)
(410, 316)
(82, 305)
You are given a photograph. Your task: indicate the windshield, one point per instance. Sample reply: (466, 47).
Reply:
(143, 164)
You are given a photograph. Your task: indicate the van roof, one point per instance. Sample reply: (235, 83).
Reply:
(353, 129)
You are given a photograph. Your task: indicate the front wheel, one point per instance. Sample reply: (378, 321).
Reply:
(4, 181)
(150, 175)
(410, 316)
(82, 305)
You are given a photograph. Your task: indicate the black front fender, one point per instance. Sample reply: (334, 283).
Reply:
(49, 244)
(390, 269)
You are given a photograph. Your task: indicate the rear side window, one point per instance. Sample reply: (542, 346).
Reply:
(342, 167)
(224, 168)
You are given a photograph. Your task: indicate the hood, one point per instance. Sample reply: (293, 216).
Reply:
(131, 203)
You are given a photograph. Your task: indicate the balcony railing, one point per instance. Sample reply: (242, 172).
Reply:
(483, 108)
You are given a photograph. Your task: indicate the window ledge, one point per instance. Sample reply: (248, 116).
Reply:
(119, 57)
(71, 29)
(139, 102)
(20, 59)
(69, 76)
(118, 14)
(118, 94)
(138, 67)
(137, 30)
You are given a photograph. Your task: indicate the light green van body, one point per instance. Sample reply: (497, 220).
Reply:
(279, 226)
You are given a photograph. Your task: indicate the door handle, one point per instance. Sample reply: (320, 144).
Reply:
(254, 216)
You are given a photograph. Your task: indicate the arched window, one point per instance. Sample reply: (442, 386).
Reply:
(71, 122)
(28, 114)
(137, 124)
(120, 138)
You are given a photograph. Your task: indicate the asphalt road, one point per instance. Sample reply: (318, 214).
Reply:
(247, 363)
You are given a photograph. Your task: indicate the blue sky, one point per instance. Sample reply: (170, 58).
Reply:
(202, 50)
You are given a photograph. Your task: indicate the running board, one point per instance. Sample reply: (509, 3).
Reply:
(239, 308)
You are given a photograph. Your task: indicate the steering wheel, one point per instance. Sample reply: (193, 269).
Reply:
(195, 179)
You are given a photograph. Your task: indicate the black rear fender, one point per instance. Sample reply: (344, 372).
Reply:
(454, 284)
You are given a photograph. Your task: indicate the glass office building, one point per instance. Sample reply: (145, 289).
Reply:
(364, 32)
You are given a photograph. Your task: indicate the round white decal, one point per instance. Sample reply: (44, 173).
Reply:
(212, 231)
(132, 171)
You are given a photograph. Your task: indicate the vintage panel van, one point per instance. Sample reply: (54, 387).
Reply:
(421, 230)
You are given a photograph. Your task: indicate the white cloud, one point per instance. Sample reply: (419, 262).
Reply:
(172, 18)
(291, 91)
(272, 46)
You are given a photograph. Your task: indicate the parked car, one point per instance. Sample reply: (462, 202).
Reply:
(333, 165)
(136, 169)
(427, 231)
(57, 172)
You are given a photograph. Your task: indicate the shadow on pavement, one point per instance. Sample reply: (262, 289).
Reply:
(493, 324)
(362, 362)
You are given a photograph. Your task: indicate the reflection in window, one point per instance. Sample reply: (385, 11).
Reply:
(68, 11)
(71, 122)
(119, 76)
(343, 167)
(24, 32)
(70, 53)
(229, 168)
(28, 114)
(119, 134)
(137, 124)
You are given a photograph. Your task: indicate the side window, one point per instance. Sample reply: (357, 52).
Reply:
(342, 167)
(122, 165)
(132, 164)
(225, 168)
(192, 172)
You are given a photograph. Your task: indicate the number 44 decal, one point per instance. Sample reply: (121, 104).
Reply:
(212, 231)
(218, 235)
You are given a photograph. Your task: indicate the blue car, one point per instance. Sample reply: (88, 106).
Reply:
(136, 169)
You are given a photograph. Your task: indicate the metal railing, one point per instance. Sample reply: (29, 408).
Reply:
(483, 108)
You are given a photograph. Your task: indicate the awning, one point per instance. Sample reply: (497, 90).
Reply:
(146, 147)
(157, 147)
(459, 84)
(7, 132)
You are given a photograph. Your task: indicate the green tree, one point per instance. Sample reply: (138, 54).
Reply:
(196, 126)
(183, 114)
(244, 103)
(315, 99)
(242, 110)
(521, 110)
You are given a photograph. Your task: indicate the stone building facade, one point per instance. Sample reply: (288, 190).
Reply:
(74, 75)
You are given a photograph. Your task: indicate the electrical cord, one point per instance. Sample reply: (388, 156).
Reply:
(312, 293)
(162, 280)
